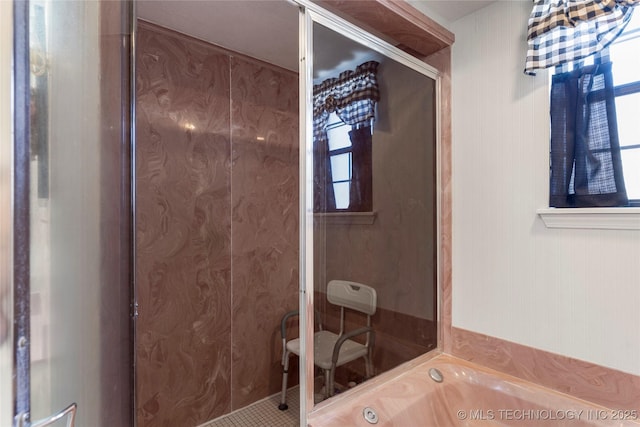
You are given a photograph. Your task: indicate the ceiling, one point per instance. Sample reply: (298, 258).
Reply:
(449, 10)
(334, 53)
(263, 29)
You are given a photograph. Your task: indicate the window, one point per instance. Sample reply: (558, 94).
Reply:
(343, 114)
(350, 168)
(341, 158)
(626, 78)
(625, 69)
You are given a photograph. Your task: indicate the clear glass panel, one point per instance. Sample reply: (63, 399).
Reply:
(338, 133)
(341, 190)
(634, 24)
(6, 297)
(334, 119)
(623, 52)
(624, 56)
(631, 169)
(80, 227)
(627, 108)
(396, 255)
(341, 167)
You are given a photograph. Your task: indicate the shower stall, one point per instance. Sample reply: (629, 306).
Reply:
(216, 224)
(218, 148)
(189, 186)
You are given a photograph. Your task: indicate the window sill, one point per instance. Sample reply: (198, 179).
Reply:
(346, 218)
(591, 218)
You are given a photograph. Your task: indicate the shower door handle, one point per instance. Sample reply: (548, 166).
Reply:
(69, 411)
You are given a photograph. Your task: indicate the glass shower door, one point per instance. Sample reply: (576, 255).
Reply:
(74, 295)
(370, 198)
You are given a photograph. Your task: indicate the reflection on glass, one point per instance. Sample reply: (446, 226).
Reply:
(340, 167)
(341, 190)
(337, 133)
(396, 255)
(340, 154)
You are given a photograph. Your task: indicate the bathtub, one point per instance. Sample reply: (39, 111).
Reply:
(469, 395)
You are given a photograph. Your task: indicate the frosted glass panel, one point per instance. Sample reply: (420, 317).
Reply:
(6, 368)
(79, 207)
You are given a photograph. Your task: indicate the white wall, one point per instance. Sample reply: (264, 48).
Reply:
(571, 292)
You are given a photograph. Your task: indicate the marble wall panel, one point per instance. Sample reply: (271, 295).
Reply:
(604, 386)
(264, 194)
(442, 62)
(217, 231)
(398, 20)
(183, 232)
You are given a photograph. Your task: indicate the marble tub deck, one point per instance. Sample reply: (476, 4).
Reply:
(470, 395)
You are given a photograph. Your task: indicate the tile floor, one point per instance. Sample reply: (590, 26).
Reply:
(263, 413)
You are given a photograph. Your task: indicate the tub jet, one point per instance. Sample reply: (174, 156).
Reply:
(370, 415)
(436, 375)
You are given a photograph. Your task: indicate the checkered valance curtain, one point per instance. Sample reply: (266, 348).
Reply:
(562, 31)
(352, 95)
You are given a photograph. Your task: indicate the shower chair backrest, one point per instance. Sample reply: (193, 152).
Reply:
(352, 295)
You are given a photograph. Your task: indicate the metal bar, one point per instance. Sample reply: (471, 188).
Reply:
(627, 89)
(21, 219)
(133, 31)
(68, 411)
(305, 50)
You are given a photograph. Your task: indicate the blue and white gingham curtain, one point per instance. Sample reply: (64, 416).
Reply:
(585, 160)
(561, 31)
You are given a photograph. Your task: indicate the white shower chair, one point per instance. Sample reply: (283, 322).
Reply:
(331, 350)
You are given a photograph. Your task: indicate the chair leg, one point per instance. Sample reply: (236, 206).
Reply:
(368, 366)
(285, 373)
(327, 384)
(332, 381)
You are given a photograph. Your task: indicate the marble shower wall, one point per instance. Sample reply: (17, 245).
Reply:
(264, 237)
(217, 226)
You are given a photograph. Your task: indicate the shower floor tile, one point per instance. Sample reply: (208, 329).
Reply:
(263, 413)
